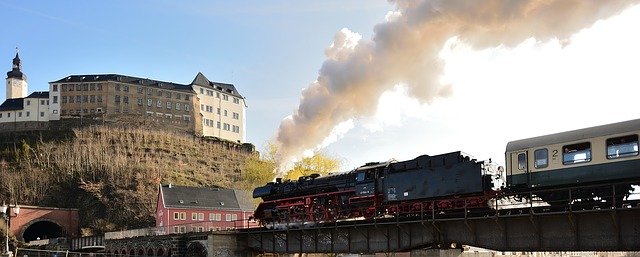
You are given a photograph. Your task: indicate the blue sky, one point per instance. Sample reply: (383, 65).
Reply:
(271, 50)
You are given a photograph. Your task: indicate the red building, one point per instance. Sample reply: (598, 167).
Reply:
(183, 209)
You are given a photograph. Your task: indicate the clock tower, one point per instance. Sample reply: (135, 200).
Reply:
(16, 80)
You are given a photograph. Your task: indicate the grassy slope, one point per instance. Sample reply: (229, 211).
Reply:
(112, 174)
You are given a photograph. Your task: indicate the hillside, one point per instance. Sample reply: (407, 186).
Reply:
(111, 174)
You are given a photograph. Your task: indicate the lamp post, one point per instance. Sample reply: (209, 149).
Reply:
(6, 214)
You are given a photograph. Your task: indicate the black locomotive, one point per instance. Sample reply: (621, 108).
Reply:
(426, 183)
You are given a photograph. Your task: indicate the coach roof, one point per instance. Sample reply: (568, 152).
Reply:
(574, 135)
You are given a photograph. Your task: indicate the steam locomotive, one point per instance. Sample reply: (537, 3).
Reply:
(598, 164)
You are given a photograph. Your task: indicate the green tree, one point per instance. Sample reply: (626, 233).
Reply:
(259, 170)
(319, 163)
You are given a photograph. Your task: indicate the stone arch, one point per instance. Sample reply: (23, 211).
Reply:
(160, 252)
(150, 252)
(196, 249)
(132, 252)
(42, 228)
(123, 252)
(141, 252)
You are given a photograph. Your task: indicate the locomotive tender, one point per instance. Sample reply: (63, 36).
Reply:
(579, 165)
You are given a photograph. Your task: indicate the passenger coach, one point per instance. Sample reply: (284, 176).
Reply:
(596, 155)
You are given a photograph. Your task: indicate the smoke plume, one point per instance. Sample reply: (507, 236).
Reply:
(404, 49)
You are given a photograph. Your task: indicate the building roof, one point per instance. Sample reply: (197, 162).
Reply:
(87, 78)
(205, 198)
(15, 104)
(574, 135)
(12, 104)
(39, 94)
(201, 80)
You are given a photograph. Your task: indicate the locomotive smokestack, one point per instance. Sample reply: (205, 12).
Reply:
(404, 49)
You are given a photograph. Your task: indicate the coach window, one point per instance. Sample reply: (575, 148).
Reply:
(541, 158)
(576, 153)
(522, 161)
(622, 146)
(360, 177)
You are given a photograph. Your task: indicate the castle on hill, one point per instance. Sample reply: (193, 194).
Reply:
(203, 107)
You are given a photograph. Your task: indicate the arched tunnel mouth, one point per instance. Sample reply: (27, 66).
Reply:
(42, 230)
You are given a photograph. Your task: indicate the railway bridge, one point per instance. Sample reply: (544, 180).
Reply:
(599, 229)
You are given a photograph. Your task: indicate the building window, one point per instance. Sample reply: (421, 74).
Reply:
(117, 87)
(99, 99)
(140, 90)
(178, 96)
(227, 217)
(99, 86)
(236, 100)
(178, 106)
(576, 153)
(186, 118)
(85, 87)
(183, 216)
(78, 99)
(64, 99)
(212, 216)
(176, 216)
(236, 115)
(149, 91)
(218, 125)
(41, 114)
(149, 102)
(186, 97)
(201, 91)
(541, 159)
(8, 115)
(72, 99)
(622, 146)
(159, 92)
(92, 87)
(28, 102)
(55, 88)
(19, 114)
(92, 99)
(218, 111)
(200, 216)
(85, 98)
(78, 87)
(117, 99)
(159, 104)
(125, 99)
(55, 111)
(194, 216)
(168, 105)
(176, 229)
(217, 94)
(139, 101)
(225, 97)
(125, 88)
(236, 129)
(225, 113)
(186, 107)
(28, 113)
(183, 229)
(55, 99)
(226, 126)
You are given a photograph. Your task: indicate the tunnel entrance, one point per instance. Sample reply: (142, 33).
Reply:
(42, 230)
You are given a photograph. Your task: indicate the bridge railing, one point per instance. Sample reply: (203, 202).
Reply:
(202, 226)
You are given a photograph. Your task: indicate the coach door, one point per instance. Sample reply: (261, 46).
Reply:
(518, 174)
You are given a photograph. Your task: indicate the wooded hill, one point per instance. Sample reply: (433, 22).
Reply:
(112, 174)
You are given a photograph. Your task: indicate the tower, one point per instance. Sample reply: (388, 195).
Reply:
(16, 80)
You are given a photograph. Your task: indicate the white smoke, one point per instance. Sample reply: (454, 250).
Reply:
(404, 49)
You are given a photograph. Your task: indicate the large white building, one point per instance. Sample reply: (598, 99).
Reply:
(19, 111)
(222, 108)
